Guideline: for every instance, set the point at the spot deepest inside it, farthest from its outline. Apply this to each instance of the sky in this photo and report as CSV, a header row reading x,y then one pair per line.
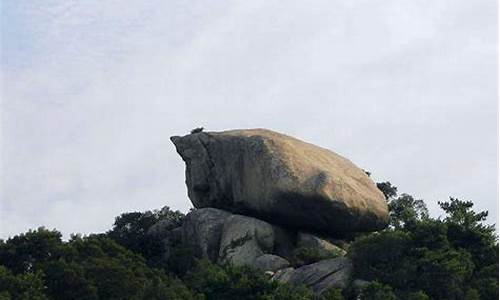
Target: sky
x,y
92,91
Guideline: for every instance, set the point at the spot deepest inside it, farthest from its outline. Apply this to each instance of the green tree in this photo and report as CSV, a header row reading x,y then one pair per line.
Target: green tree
x,y
485,280
377,291
68,281
385,257
93,267
443,274
421,257
118,273
460,212
27,252
467,231
406,211
388,189
332,294
131,231
472,294
419,295
232,282
27,286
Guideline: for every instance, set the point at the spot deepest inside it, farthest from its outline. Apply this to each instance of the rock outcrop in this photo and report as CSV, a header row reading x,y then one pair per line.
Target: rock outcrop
x,y
280,179
244,239
322,246
274,203
320,276
227,238
202,231
270,262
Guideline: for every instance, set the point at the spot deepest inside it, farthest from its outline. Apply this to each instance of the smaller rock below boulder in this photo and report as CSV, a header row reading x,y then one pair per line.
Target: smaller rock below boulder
x,y
359,284
320,276
161,229
322,246
284,242
244,239
283,275
202,230
270,262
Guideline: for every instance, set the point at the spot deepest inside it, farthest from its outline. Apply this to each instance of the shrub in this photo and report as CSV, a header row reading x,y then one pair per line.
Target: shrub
x,y
377,291
232,282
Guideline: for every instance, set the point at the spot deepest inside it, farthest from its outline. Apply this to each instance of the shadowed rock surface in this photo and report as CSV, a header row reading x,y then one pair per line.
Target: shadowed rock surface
x,y
244,239
270,262
227,238
202,230
324,247
280,179
320,276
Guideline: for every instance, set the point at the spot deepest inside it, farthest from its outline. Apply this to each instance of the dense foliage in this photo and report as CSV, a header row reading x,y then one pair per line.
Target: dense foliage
x,y
417,257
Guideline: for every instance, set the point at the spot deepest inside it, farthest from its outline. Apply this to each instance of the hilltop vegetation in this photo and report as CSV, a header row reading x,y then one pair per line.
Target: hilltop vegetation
x,y
416,257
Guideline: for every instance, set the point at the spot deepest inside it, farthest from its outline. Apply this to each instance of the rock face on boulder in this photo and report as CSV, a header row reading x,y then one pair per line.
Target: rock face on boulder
x,y
280,179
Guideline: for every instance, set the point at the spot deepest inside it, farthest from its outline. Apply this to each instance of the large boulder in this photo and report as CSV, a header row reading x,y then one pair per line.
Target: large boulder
x,y
320,276
280,179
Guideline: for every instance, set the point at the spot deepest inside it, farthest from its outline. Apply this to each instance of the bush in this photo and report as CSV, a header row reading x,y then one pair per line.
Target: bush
x,y
377,291
451,258
93,267
332,294
420,258
131,231
420,295
231,282
384,257
27,286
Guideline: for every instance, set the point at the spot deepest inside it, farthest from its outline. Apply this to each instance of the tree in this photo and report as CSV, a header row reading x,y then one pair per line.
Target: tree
x,y
332,294
377,291
385,257
27,252
419,295
26,286
119,273
460,212
216,282
68,281
420,257
92,267
417,258
388,189
131,231
466,231
405,211
443,274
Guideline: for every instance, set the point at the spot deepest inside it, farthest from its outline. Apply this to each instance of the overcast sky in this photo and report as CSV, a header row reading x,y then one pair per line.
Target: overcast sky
x,y
92,91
